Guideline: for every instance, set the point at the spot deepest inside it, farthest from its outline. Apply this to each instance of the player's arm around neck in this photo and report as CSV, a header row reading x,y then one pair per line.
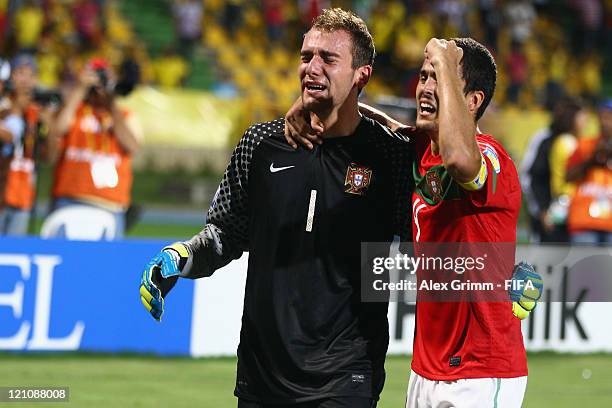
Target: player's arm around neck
x,y
382,118
457,128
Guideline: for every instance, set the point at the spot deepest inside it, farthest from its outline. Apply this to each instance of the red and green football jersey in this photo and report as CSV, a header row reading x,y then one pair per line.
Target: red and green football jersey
x,y
458,340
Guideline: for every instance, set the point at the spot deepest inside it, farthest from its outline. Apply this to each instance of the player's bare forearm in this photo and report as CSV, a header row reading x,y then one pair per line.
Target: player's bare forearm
x,y
457,134
381,117
457,127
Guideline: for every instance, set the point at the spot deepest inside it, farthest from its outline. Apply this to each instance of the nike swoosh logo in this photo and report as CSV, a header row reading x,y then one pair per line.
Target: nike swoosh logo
x,y
277,169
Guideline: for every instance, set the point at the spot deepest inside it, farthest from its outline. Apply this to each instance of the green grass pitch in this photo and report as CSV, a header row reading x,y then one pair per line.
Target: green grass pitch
x,y
555,380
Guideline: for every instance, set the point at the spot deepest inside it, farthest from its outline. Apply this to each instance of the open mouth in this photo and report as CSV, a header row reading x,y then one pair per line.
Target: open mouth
x,y
426,108
314,87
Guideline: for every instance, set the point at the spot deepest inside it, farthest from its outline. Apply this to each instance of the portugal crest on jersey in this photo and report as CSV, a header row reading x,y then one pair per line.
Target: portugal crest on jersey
x,y
357,179
434,185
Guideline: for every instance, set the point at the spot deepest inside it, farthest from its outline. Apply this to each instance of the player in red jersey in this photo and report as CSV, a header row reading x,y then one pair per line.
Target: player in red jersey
x,y
465,353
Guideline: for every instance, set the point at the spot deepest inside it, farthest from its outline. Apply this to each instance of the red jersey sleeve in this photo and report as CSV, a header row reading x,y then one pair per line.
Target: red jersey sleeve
x,y
502,183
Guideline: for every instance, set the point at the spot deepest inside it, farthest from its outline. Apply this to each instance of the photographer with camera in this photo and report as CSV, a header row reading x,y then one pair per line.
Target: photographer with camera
x,y
93,141
590,167
24,129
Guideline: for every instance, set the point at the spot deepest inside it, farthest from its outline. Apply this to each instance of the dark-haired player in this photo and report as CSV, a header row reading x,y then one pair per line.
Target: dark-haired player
x,y
467,354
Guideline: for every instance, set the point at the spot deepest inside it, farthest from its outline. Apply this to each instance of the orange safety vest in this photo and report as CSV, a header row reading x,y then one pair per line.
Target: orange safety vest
x,y
21,178
591,205
92,165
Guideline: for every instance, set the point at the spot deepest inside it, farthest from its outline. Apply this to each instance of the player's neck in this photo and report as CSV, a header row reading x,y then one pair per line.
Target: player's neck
x,y
433,137
341,121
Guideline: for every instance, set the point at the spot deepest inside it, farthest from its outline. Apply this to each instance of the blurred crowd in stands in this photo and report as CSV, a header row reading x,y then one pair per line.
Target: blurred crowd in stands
x,y
61,35
544,48
548,52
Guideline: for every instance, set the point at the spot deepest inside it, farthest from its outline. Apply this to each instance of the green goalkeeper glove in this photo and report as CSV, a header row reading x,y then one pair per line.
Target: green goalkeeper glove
x,y
160,276
526,289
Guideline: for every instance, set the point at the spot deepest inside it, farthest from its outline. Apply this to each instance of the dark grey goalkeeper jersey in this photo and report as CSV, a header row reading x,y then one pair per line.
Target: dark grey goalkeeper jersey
x,y
303,215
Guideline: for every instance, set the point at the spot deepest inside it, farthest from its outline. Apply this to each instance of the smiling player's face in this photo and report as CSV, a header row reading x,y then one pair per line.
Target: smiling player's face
x,y
427,98
326,73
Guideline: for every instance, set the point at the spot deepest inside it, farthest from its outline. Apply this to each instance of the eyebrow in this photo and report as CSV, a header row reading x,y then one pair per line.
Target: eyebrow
x,y
323,53
430,72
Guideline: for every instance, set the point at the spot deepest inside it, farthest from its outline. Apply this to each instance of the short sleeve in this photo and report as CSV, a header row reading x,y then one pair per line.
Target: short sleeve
x,y
502,177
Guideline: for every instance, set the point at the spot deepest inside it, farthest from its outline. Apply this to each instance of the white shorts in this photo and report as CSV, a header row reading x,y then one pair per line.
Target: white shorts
x,y
468,393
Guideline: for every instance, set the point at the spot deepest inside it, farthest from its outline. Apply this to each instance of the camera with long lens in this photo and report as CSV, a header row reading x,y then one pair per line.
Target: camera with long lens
x,y
129,76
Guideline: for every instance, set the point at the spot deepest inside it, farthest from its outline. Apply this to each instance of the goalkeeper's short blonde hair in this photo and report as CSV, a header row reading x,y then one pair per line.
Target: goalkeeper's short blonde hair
x,y
335,19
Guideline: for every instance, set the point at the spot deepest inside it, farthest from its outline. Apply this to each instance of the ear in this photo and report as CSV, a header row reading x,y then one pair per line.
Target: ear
x,y
474,101
362,76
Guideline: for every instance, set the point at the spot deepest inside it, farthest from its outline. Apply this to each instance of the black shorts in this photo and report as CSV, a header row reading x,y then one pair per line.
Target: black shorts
x,y
335,402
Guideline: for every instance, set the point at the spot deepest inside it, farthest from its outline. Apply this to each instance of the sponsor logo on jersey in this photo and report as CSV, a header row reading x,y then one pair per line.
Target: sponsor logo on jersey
x,y
357,179
277,169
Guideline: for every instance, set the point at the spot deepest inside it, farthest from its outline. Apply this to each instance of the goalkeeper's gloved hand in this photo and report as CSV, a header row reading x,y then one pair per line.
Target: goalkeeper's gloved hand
x,y
160,276
525,297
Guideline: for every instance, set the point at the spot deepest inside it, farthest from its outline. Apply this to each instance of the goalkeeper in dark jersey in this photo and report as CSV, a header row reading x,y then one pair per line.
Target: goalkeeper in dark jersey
x,y
307,339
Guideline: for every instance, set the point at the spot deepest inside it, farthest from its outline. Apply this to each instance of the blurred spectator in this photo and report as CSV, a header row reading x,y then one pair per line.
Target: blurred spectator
x,y
590,167
232,15
591,19
86,15
517,71
543,175
607,36
29,21
385,18
491,19
49,63
6,137
170,69
224,87
520,16
94,141
129,72
363,8
188,22
309,9
275,19
3,22
26,121
557,70
453,17
591,75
